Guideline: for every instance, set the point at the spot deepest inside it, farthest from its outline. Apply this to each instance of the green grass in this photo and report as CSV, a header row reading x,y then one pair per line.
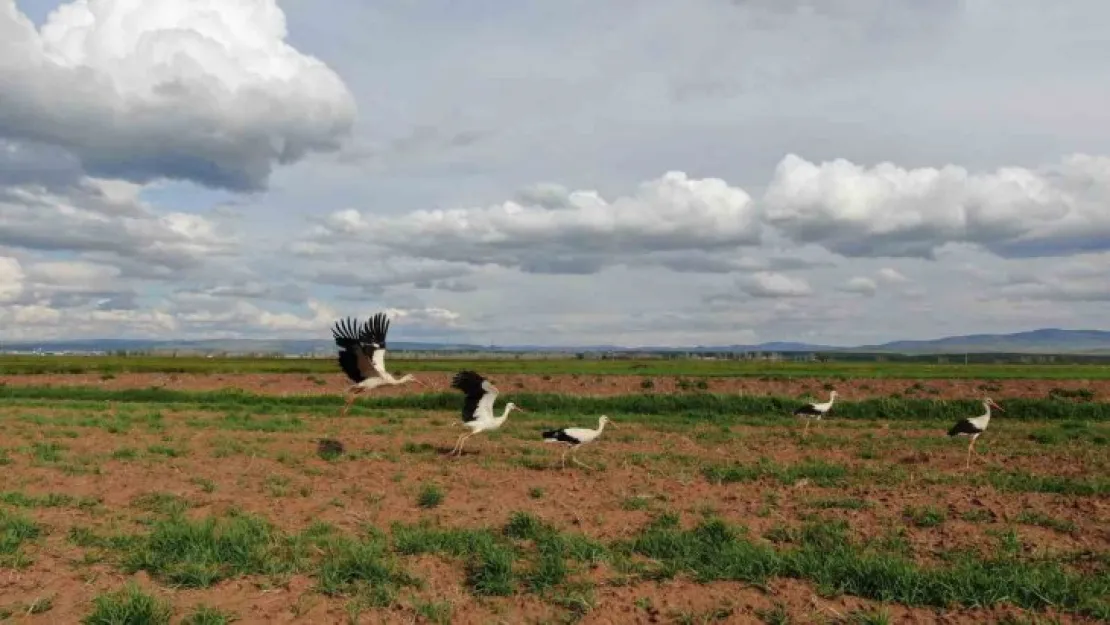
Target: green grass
x,y
207,615
430,496
724,408
824,555
15,531
995,367
129,606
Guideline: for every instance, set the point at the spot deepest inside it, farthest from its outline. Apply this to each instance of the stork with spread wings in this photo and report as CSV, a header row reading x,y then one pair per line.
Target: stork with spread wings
x,y
362,356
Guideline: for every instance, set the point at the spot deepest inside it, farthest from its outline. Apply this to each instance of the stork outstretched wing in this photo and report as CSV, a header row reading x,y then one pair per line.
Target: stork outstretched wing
x,y
373,340
354,357
480,395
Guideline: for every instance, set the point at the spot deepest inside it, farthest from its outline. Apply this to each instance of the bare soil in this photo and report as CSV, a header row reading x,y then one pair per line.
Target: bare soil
x,y
640,472
586,385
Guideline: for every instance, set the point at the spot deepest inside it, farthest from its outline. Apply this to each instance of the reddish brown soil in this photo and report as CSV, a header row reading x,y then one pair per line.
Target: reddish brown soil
x,y
642,472
593,385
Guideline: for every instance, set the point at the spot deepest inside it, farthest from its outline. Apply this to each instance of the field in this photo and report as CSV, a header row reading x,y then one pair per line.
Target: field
x,y
192,491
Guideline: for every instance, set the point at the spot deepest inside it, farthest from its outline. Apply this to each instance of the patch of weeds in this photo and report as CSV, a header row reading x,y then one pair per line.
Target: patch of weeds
x,y
167,451
125,453
276,485
417,448
129,605
47,452
204,484
361,568
207,615
842,503
1032,517
430,496
637,502
776,615
167,504
15,530
978,515
438,612
926,516
197,554
535,492
868,617
819,472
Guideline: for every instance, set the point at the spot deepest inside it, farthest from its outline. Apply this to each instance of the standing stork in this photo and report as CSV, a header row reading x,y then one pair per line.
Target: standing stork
x,y
362,356
477,412
815,411
972,427
575,438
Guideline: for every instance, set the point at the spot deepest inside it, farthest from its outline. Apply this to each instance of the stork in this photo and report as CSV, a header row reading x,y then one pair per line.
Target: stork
x,y
972,427
362,356
815,410
575,438
477,412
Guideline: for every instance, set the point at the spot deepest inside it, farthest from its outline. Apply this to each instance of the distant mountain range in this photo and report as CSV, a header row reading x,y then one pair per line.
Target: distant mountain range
x,y
1043,341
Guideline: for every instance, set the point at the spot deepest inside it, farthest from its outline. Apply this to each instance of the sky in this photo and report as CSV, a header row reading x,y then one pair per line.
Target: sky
x,y
554,172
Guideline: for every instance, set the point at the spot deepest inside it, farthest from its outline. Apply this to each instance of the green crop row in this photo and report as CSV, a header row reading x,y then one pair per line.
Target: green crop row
x,y
708,406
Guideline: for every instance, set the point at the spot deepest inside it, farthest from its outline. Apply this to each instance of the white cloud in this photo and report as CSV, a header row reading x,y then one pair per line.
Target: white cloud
x,y
892,275
204,90
774,285
11,279
861,285
109,218
887,210
580,236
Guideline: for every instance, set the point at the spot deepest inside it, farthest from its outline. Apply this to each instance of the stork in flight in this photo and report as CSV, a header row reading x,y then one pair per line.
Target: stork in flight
x,y
974,426
575,438
815,410
362,356
477,412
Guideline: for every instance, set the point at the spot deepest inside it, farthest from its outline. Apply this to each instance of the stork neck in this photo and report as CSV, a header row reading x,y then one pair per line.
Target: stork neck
x,y
600,426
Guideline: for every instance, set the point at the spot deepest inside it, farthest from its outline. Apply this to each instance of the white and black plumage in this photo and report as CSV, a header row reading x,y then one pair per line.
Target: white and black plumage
x,y
362,355
974,426
815,410
575,438
477,411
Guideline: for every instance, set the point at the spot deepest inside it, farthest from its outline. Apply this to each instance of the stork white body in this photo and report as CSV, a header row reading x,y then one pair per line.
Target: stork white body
x,y
974,426
477,412
362,356
575,438
815,410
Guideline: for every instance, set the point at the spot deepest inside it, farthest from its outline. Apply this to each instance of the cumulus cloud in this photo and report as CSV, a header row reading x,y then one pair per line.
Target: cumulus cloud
x,y
774,285
580,235
108,218
893,276
887,210
11,279
205,90
860,285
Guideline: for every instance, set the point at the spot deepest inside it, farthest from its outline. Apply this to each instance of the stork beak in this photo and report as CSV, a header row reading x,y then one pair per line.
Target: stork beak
x,y
997,406
420,383
520,409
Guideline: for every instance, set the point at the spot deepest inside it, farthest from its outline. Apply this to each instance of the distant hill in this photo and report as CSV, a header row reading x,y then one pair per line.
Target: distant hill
x,y
1043,341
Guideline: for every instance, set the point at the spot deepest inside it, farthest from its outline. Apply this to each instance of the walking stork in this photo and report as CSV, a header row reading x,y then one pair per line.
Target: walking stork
x,y
575,438
477,412
974,426
815,411
362,356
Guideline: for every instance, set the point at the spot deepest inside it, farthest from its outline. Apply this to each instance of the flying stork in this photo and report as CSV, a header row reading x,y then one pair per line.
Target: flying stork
x,y
815,410
362,356
974,426
477,412
575,438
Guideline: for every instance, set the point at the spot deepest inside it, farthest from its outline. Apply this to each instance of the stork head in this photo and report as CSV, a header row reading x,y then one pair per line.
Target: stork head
x,y
833,395
988,402
408,377
509,407
603,421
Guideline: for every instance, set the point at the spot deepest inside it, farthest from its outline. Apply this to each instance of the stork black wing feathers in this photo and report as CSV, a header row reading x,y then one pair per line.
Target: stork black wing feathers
x,y
561,436
375,330
470,383
964,426
807,409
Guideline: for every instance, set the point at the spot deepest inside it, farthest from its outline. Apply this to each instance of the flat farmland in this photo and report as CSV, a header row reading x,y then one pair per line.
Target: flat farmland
x,y
189,496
